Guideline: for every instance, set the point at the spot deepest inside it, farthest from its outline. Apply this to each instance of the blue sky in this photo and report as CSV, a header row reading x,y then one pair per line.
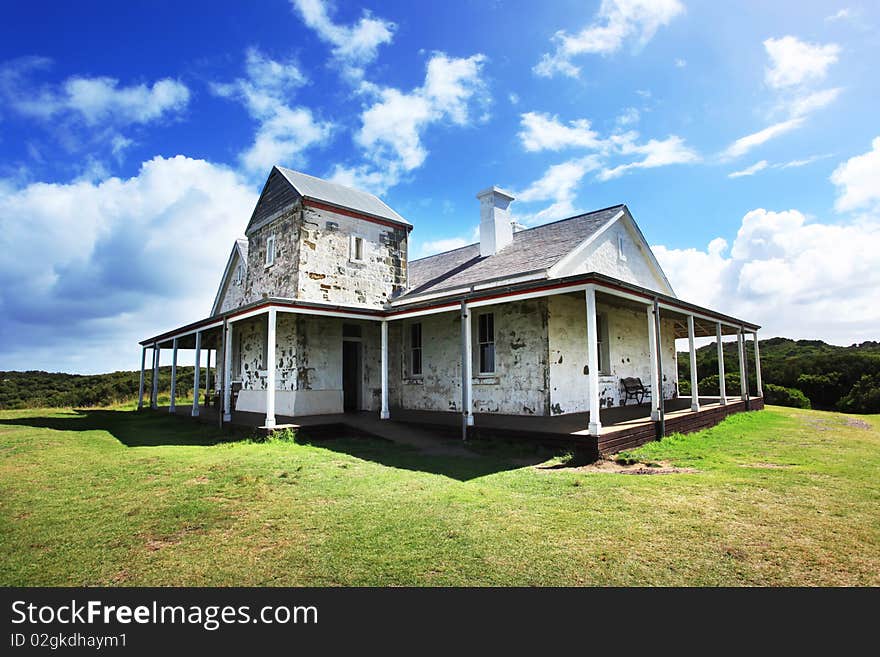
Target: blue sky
x,y
134,141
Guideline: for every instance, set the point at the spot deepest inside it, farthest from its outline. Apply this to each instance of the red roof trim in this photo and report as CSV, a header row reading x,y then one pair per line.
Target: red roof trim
x,y
312,203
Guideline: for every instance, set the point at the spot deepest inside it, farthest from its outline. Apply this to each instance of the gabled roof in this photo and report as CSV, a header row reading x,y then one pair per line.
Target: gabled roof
x,y
341,196
533,250
240,249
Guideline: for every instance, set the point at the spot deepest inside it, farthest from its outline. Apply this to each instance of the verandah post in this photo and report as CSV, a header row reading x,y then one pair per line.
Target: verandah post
x,y
595,425
656,390
197,374
154,396
695,394
722,384
173,407
141,384
270,369
384,414
227,374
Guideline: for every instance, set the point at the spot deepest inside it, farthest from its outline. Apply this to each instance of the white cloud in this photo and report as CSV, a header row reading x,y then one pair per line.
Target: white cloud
x,y
749,171
793,65
439,246
540,131
100,265
802,162
680,63
658,153
843,14
284,132
617,22
392,127
558,184
513,98
353,46
793,62
797,278
627,117
744,144
858,181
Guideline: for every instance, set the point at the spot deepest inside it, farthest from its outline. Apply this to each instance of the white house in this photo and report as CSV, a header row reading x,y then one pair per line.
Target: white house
x,y
320,311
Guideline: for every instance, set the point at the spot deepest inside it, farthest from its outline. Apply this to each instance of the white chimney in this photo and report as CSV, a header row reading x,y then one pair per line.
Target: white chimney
x,y
496,226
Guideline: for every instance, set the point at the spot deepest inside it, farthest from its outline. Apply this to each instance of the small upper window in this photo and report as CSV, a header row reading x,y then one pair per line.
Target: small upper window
x,y
357,248
621,251
239,275
486,340
270,250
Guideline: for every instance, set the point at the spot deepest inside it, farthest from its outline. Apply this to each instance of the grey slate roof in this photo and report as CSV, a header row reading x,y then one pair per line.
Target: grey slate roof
x,y
340,195
533,249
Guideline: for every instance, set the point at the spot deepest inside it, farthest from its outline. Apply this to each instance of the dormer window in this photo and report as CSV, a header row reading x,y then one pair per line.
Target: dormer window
x,y
270,250
357,249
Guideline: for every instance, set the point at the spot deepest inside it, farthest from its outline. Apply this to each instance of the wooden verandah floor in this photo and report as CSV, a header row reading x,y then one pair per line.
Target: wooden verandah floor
x,y
623,427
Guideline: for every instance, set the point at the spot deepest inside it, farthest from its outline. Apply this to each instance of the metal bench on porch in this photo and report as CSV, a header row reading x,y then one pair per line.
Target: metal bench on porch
x,y
633,388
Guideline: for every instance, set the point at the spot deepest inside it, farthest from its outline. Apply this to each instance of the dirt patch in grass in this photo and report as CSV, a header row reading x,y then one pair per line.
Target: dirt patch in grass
x,y
858,424
766,466
611,466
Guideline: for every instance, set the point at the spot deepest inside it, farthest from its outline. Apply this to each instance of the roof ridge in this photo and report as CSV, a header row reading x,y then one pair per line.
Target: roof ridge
x,y
330,182
549,223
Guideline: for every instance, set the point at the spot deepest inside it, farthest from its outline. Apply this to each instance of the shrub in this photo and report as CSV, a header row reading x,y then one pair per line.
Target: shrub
x,y
782,396
709,385
864,397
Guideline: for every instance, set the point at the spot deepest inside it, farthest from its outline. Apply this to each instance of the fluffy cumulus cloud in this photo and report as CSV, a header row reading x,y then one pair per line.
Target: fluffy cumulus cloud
x,y
354,46
795,277
393,125
284,131
544,132
90,268
92,100
618,22
793,67
858,181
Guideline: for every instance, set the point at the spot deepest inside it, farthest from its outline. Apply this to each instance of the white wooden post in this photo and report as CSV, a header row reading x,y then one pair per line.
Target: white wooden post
x,y
743,382
173,407
595,425
197,374
227,375
722,384
154,397
467,399
270,369
656,390
695,394
384,414
141,384
207,374
760,391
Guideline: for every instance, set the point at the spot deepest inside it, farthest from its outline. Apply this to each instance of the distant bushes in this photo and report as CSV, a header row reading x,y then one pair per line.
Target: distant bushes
x,y
782,396
54,389
864,397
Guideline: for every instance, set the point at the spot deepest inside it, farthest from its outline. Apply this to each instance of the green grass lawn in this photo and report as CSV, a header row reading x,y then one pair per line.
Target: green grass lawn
x,y
114,497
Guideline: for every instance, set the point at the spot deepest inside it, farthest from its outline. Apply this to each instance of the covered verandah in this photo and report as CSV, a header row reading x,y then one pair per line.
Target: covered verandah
x,y
690,322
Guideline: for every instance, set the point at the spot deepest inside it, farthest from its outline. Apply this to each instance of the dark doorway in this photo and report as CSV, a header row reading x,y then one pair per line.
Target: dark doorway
x,y
351,375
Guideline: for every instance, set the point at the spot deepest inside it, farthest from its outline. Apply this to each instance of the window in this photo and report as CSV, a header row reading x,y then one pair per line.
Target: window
x,y
604,353
486,341
415,349
357,249
270,250
239,275
621,243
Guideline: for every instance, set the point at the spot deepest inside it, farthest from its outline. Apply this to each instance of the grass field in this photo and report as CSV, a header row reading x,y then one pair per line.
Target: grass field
x,y
114,497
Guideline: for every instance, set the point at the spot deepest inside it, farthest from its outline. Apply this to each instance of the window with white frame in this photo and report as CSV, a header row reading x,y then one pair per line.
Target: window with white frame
x,y
415,349
239,275
357,249
603,346
621,247
486,343
270,250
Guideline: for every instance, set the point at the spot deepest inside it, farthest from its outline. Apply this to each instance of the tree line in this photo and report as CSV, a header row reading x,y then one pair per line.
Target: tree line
x,y
800,373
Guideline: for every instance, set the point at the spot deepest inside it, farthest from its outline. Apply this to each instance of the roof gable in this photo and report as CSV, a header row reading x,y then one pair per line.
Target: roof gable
x,y
238,254
285,186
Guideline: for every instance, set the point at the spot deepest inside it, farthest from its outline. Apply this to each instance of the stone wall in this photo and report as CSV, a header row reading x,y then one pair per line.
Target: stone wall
x,y
327,272
233,292
280,278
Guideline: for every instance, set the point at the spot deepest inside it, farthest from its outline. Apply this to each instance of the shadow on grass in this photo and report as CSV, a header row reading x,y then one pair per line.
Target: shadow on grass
x,y
150,429
134,429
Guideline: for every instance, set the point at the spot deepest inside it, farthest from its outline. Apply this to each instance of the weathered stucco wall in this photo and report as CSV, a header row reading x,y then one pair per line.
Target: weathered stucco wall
x,y
519,385
308,375
627,350
603,257
327,272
